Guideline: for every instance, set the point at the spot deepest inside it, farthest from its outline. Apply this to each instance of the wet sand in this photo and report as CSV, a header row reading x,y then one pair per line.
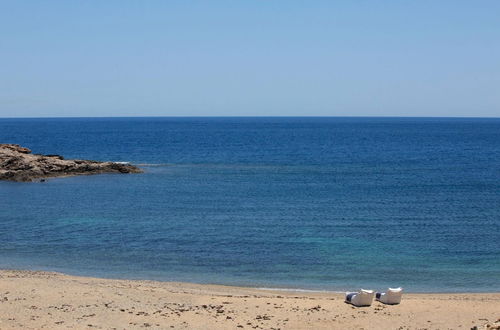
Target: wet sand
x,y
45,300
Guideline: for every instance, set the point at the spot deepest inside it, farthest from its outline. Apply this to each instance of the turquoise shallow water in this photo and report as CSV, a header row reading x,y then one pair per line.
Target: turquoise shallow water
x,y
311,203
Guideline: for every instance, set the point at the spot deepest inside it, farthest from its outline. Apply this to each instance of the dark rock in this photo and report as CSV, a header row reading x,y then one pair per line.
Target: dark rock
x,y
55,156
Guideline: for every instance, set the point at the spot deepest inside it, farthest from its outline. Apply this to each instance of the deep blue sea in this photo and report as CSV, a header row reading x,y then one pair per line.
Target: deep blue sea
x,y
309,203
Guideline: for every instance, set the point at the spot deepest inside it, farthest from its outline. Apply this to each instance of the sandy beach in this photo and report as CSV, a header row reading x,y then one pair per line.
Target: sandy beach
x,y
46,300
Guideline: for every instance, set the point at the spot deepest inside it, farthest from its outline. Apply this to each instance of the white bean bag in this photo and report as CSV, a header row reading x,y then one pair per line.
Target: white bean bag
x,y
361,298
390,297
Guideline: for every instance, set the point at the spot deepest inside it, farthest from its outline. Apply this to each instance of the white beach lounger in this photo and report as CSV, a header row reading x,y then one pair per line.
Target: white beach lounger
x,y
361,298
390,297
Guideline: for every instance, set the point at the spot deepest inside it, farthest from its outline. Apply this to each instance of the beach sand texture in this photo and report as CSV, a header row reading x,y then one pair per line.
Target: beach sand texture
x,y
46,300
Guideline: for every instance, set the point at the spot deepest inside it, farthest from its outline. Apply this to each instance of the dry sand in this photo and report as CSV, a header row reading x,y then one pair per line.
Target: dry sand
x,y
43,300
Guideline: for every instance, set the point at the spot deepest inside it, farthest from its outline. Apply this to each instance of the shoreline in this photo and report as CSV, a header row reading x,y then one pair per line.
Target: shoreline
x,y
40,299
290,289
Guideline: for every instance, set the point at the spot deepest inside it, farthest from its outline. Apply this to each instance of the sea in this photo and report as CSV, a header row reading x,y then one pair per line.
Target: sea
x,y
306,203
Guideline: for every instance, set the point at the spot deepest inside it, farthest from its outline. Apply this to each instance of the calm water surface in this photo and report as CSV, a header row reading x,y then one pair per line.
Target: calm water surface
x,y
312,203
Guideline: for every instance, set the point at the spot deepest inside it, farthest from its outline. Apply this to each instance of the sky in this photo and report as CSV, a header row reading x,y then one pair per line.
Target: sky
x,y
249,58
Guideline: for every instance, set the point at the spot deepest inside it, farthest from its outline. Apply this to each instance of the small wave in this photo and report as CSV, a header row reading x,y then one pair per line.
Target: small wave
x,y
152,164
298,290
141,164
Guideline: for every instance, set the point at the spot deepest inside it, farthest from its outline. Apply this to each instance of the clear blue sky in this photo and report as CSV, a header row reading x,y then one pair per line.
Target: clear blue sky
x,y
250,58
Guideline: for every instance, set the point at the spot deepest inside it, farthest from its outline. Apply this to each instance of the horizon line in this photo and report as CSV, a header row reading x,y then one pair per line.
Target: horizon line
x,y
241,116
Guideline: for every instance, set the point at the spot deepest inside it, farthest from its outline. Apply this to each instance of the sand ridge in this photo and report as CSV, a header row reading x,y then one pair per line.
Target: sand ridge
x,y
46,300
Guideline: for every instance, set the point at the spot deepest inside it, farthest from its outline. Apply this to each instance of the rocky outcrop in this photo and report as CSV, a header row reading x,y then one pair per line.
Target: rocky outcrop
x,y
19,164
